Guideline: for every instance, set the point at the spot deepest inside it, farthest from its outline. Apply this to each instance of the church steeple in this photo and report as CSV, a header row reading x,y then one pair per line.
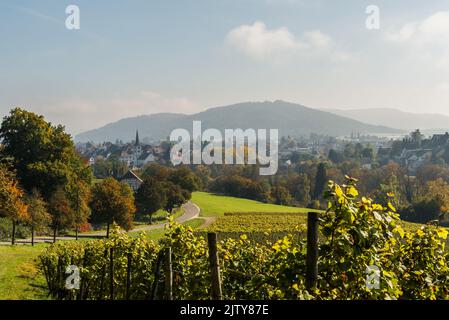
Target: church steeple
x,y
137,138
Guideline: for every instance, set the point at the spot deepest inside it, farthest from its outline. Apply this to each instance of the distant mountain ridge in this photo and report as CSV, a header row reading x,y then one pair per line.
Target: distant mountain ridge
x,y
291,119
429,122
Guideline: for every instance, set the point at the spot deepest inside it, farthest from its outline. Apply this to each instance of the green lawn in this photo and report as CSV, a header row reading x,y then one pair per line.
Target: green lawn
x,y
19,276
214,205
156,234
159,217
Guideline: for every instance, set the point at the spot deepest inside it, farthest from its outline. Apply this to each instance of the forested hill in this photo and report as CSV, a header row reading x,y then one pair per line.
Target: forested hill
x,y
291,119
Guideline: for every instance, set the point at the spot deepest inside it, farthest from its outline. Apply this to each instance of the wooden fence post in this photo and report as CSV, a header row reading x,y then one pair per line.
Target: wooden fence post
x,y
128,276
312,250
168,275
214,266
111,271
157,271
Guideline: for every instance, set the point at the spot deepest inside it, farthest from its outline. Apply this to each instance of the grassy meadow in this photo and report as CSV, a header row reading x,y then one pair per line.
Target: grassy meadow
x,y
215,205
19,275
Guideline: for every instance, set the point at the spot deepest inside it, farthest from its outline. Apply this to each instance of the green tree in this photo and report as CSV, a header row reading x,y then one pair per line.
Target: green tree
x,y
175,196
113,202
335,156
150,197
281,195
43,155
320,181
185,178
39,218
299,187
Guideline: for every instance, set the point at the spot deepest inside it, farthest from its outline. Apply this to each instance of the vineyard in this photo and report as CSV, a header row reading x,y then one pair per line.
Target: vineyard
x,y
355,233
258,226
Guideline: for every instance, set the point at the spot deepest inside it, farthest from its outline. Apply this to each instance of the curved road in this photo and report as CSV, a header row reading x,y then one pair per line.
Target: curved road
x,y
191,211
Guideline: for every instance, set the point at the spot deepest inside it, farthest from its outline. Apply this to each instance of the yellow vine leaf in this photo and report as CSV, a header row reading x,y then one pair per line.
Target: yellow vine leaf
x,y
352,192
442,233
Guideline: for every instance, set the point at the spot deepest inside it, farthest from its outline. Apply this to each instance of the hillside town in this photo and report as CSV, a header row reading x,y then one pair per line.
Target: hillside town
x,y
412,151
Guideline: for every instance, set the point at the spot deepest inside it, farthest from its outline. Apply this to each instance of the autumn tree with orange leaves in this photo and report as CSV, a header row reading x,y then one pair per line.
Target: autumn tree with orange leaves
x,y
12,205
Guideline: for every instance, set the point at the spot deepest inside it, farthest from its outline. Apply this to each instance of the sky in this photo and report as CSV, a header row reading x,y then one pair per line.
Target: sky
x,y
142,56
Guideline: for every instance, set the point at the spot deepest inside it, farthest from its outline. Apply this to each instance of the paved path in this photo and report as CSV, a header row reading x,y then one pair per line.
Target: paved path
x,y
191,211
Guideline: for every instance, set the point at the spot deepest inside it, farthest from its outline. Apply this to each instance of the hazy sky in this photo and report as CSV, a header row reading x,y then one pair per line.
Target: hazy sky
x,y
140,57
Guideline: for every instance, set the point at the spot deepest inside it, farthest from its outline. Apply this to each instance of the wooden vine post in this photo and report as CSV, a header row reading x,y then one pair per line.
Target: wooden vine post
x,y
214,266
312,250
157,273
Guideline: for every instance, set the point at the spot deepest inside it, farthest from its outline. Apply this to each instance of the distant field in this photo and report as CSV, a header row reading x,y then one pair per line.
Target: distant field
x,y
19,276
215,206
269,226
265,222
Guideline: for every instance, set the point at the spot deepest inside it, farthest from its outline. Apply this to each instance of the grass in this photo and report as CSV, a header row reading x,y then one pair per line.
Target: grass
x,y
159,217
19,276
156,234
215,205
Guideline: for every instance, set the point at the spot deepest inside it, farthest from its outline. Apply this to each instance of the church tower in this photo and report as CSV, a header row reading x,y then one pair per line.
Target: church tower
x,y
137,149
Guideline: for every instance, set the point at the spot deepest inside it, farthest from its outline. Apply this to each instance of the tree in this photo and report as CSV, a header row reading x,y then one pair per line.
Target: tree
x,y
185,178
439,189
299,186
42,155
113,202
79,195
61,211
368,153
430,204
39,218
112,167
281,195
11,200
175,196
156,171
320,181
150,197
335,156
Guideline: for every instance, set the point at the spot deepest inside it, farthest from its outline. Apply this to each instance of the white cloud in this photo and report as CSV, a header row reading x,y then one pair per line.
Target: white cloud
x,y
433,30
257,42
429,38
426,41
317,39
83,114
260,43
405,34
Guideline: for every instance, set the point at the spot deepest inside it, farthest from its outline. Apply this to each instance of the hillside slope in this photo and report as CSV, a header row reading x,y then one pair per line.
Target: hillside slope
x,y
291,119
